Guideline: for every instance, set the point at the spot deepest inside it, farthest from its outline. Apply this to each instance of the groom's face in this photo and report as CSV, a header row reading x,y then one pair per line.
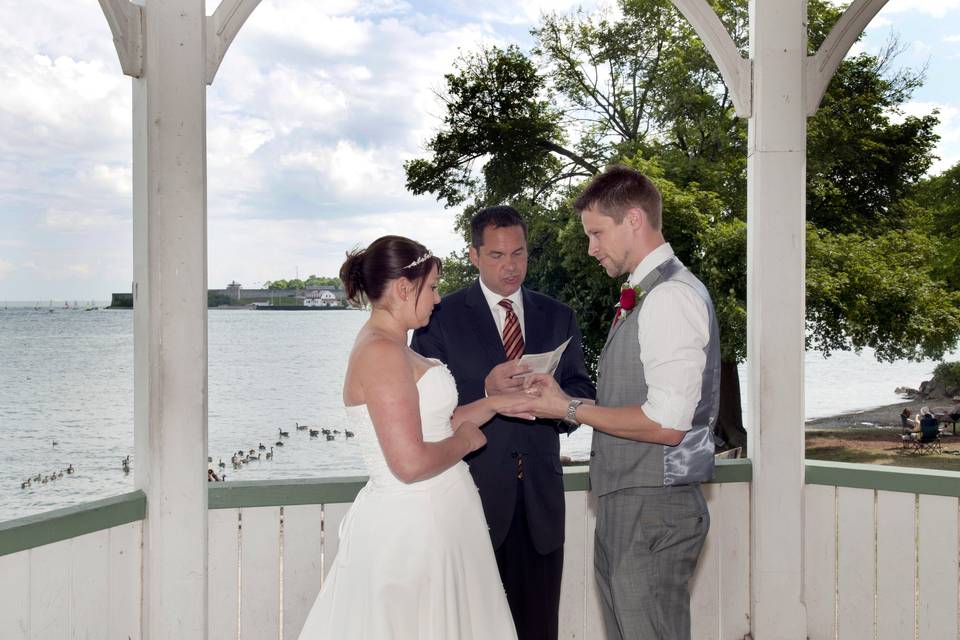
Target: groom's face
x,y
501,259
608,241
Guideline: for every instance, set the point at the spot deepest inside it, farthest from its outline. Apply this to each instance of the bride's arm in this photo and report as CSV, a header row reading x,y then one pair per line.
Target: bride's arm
x,y
482,410
391,396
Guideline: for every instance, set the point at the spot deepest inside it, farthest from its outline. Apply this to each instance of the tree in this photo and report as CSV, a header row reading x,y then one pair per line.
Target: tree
x,y
642,90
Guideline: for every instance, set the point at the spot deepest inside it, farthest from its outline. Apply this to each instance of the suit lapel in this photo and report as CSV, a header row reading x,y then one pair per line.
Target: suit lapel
x,y
483,325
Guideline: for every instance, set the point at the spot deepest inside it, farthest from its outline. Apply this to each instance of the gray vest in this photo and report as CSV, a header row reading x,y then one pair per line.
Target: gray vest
x,y
619,463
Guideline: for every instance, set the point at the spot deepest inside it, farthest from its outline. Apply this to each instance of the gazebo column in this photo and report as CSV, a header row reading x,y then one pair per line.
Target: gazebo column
x,y
170,316
776,193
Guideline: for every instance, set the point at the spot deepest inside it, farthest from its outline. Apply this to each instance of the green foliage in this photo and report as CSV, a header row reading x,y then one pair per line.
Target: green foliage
x,y
878,292
295,283
215,299
940,196
642,90
948,373
497,108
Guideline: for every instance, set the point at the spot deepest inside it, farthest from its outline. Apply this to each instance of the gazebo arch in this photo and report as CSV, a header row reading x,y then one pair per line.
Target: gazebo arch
x,y
173,50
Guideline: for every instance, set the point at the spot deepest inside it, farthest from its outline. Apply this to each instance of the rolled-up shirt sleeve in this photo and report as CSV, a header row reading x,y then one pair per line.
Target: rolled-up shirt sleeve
x,y
674,329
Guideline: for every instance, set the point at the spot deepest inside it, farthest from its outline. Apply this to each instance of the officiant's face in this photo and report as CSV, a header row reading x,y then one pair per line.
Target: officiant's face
x,y
501,259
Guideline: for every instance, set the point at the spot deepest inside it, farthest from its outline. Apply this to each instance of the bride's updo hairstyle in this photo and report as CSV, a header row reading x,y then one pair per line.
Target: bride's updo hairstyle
x,y
366,272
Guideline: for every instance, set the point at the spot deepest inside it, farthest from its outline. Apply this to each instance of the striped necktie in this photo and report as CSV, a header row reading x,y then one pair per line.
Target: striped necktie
x,y
512,336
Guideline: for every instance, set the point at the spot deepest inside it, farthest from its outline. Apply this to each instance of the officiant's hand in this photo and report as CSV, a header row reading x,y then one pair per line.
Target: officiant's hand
x,y
506,377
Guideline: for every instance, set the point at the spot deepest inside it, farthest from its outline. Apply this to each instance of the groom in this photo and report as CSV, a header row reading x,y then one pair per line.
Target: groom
x,y
657,399
480,332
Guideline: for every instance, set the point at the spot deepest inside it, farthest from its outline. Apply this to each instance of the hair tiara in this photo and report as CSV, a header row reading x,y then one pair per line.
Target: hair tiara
x,y
419,260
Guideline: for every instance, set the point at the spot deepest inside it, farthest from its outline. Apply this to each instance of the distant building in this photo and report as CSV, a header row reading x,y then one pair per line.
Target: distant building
x,y
311,296
323,296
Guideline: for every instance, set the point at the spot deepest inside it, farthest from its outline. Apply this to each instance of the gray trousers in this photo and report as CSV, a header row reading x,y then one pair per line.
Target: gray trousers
x,y
647,545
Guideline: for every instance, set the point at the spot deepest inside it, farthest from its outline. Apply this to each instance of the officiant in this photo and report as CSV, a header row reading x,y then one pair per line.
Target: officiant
x,y
480,333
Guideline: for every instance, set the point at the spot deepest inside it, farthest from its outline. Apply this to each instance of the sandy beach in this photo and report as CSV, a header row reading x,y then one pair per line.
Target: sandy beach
x,y
884,416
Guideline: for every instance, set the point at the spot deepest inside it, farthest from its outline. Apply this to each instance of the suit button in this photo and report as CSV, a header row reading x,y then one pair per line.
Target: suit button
x,y
593,453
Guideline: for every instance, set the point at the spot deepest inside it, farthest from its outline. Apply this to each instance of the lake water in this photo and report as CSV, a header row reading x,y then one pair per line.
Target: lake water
x,y
67,376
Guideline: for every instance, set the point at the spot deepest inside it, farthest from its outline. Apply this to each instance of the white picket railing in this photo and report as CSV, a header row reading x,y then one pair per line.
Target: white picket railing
x,y
881,561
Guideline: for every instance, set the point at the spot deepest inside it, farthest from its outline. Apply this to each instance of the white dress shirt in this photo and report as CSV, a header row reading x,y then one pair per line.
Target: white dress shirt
x,y
499,313
674,329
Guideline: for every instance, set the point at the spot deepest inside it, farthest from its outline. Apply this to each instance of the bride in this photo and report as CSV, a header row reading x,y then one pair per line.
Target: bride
x,y
415,560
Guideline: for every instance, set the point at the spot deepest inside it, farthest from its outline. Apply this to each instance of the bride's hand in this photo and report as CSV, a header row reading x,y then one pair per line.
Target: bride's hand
x,y
516,404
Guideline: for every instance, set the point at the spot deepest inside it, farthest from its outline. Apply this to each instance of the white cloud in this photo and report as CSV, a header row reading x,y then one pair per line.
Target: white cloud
x,y
935,8
952,39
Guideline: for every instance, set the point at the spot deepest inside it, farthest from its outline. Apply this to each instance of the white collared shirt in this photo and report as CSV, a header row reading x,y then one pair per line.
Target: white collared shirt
x,y
499,313
674,329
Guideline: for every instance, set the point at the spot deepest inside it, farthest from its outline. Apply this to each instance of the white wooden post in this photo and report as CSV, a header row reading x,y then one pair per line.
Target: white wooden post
x,y
170,316
776,170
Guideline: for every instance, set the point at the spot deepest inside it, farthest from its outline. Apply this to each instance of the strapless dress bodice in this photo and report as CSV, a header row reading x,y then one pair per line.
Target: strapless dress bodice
x,y
438,399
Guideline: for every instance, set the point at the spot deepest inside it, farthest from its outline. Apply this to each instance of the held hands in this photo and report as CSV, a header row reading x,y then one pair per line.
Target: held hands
x,y
506,377
514,404
545,398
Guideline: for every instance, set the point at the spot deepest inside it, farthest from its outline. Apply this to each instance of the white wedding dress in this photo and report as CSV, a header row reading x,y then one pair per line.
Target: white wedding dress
x,y
415,560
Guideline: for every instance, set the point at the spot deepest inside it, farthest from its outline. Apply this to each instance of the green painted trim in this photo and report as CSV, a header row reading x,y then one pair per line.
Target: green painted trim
x,y
576,477
279,493
71,522
735,470
871,476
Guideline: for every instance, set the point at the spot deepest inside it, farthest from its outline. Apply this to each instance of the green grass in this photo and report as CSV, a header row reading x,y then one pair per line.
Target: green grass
x,y
878,446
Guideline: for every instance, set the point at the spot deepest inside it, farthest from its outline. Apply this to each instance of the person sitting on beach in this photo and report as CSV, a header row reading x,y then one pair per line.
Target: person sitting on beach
x,y
908,423
924,419
212,476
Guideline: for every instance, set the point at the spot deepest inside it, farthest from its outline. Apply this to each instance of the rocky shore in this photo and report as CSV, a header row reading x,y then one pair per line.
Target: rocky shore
x,y
885,416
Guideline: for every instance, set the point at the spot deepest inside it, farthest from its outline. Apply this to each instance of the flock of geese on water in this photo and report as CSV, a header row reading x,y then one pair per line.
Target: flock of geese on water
x,y
237,460
241,457
44,479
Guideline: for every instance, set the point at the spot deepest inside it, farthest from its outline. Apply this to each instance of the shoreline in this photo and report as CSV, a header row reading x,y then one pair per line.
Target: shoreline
x,y
883,416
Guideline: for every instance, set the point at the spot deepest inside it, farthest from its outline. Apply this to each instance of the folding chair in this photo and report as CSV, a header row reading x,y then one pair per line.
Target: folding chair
x,y
928,440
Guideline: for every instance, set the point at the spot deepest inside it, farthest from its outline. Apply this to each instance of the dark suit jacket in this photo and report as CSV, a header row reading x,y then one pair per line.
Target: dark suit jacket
x,y
463,334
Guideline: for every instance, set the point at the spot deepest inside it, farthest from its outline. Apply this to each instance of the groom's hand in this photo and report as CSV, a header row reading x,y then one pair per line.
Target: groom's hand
x,y
506,377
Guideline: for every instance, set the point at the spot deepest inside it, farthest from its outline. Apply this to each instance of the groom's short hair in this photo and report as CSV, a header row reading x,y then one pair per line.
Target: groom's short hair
x,y
496,217
618,189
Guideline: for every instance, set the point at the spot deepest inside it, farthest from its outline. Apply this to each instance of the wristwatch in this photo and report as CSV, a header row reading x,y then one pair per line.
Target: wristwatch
x,y
571,417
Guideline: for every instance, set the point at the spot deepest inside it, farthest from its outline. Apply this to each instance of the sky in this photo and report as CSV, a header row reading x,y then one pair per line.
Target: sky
x,y
309,120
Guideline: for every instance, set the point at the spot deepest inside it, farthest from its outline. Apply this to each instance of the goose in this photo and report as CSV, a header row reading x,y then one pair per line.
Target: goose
x,y
284,434
55,443
335,431
251,452
24,484
330,437
261,447
222,464
348,433
325,432
209,459
70,468
314,433
45,480
279,443
269,454
223,477
60,474
300,427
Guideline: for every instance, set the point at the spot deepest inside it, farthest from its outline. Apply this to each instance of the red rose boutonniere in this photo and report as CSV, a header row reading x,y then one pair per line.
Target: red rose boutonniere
x,y
629,296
